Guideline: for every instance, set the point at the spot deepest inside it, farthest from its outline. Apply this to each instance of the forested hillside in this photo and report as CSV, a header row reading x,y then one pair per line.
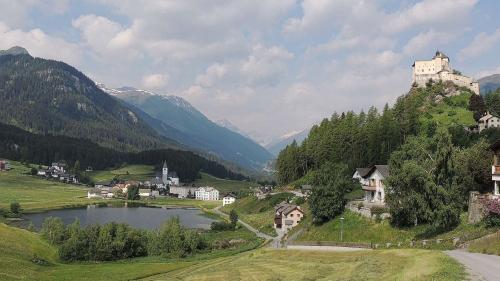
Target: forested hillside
x,y
363,139
17,144
45,96
174,118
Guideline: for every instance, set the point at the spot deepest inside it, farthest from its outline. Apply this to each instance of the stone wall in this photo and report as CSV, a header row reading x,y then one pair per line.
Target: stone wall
x,y
477,210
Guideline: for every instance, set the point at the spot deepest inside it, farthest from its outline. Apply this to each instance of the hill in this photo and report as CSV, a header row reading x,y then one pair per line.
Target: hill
x,y
51,97
17,144
175,118
276,146
489,83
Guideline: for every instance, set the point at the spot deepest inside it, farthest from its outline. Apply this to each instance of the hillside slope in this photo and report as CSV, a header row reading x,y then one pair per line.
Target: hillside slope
x,y
276,146
45,96
180,121
489,83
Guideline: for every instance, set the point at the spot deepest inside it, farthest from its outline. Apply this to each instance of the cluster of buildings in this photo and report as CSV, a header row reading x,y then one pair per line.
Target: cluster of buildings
x,y
4,165
59,172
166,185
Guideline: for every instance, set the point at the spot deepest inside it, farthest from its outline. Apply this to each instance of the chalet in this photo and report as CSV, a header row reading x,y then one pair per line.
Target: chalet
x,y
228,199
372,182
488,121
495,169
287,216
206,193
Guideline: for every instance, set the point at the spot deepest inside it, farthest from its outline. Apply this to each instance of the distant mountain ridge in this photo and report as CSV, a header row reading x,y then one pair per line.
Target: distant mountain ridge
x,y
276,146
489,83
175,118
51,97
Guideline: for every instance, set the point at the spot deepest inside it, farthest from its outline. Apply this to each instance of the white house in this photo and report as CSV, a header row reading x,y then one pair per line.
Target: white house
x,y
182,191
372,182
206,193
495,169
359,175
488,121
228,199
94,193
145,192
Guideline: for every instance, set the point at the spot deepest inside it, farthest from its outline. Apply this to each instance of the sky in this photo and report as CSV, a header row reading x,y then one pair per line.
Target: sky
x,y
268,67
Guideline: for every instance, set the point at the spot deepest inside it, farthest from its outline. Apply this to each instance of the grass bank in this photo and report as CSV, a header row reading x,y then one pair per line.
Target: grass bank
x,y
223,185
128,172
25,256
489,245
267,264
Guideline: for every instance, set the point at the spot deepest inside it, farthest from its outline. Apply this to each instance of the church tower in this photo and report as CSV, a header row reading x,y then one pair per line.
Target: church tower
x,y
164,176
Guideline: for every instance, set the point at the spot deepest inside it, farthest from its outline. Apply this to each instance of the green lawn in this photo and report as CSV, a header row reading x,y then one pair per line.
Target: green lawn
x,y
359,229
267,264
37,194
19,247
258,213
489,245
129,172
223,185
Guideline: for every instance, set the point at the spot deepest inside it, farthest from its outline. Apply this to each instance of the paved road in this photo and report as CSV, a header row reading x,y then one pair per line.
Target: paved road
x,y
481,266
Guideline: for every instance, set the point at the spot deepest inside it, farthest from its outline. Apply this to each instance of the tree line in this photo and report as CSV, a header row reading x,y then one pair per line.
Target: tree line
x,y
17,144
433,165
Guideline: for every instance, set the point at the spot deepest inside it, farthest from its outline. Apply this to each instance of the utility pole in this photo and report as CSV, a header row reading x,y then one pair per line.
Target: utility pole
x,y
341,228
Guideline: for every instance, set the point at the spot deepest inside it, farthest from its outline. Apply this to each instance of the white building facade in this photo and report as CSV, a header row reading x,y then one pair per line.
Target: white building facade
x,y
228,199
207,194
438,68
488,121
373,182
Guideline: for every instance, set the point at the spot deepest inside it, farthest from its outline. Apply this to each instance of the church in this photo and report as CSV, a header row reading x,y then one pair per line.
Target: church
x,y
169,178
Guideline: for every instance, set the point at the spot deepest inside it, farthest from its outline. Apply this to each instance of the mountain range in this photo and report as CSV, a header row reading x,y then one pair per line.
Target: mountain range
x,y
276,146
50,97
489,83
176,119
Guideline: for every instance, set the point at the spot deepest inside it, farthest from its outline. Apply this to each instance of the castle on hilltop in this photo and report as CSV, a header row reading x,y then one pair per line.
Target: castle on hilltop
x,y
438,68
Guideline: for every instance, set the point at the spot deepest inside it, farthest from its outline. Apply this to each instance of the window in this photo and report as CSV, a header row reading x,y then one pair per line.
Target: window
x,y
298,215
291,215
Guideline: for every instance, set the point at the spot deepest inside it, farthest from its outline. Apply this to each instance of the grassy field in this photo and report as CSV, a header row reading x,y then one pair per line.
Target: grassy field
x,y
129,172
36,194
267,264
20,247
257,213
362,230
223,185
489,245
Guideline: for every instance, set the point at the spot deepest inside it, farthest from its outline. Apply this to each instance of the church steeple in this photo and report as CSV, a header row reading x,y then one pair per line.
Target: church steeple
x,y
165,173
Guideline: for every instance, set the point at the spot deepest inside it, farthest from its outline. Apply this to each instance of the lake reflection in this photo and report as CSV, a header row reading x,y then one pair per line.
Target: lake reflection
x,y
137,217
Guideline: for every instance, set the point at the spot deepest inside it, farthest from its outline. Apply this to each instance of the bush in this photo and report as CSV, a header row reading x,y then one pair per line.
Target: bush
x,y
233,217
492,220
53,230
15,208
34,171
222,226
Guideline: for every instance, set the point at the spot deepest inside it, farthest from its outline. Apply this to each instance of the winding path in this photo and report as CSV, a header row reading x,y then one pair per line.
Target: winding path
x,y
481,267
249,227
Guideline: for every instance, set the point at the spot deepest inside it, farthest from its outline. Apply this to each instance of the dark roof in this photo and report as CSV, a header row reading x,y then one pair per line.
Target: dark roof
x,y
165,164
440,54
383,169
363,171
306,187
495,145
285,208
156,180
172,174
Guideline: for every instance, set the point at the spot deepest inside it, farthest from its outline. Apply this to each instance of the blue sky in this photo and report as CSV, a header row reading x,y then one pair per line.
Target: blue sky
x,y
269,67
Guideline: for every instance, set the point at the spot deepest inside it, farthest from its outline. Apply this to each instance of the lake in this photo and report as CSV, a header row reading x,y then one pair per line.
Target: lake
x,y
137,217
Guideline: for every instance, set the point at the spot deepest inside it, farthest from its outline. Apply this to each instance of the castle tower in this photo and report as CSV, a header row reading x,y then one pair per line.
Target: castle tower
x,y
164,174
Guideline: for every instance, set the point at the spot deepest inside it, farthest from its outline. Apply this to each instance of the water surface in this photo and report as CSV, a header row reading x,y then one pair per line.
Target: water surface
x,y
137,217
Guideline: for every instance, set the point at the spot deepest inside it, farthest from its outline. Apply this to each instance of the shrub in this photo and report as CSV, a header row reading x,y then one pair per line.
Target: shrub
x,y
222,225
34,171
15,208
492,220
360,205
53,230
233,217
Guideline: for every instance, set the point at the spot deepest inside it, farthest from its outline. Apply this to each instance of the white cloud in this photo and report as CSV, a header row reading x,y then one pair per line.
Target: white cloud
x,y
481,43
40,44
425,41
155,81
